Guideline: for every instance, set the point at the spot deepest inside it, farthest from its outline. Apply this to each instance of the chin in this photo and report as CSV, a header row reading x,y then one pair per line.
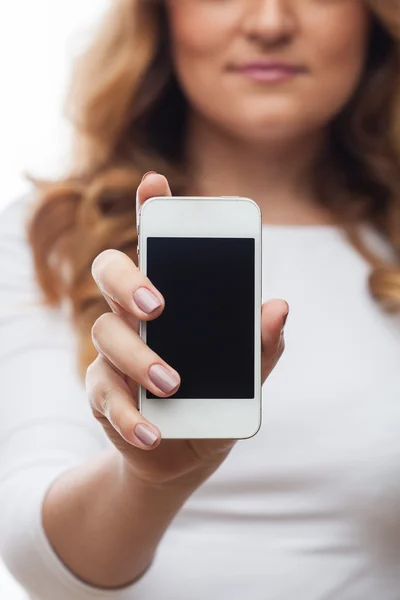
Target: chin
x,y
266,120
269,130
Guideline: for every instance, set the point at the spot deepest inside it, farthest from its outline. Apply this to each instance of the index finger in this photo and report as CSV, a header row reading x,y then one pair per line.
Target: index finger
x,y
127,290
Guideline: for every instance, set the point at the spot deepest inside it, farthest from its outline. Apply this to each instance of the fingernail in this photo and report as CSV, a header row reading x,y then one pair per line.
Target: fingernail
x,y
284,322
148,173
145,435
146,300
165,380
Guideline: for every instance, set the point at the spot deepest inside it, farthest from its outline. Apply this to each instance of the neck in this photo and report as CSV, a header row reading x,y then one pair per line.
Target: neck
x,y
277,176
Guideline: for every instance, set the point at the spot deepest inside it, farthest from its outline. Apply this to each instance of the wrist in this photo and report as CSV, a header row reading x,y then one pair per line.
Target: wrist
x,y
133,479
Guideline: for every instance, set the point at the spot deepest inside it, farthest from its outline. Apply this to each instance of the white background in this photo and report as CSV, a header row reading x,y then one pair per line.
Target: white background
x,y
38,39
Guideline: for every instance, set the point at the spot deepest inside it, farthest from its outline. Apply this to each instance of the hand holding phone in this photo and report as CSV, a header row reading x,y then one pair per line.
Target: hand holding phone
x,y
125,360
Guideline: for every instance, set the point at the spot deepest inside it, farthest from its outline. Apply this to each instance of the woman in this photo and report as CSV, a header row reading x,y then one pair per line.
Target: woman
x,y
294,103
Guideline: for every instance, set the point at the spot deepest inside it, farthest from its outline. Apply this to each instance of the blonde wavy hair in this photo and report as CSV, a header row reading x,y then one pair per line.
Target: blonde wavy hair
x,y
128,114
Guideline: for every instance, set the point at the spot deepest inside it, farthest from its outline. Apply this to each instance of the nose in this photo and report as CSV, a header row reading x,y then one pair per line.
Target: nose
x,y
269,22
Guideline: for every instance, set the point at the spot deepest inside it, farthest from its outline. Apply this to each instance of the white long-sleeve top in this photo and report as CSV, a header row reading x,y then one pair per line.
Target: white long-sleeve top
x,y
308,509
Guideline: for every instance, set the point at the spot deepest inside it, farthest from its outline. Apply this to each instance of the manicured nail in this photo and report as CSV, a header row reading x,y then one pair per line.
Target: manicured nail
x,y
146,300
145,435
284,322
148,173
165,380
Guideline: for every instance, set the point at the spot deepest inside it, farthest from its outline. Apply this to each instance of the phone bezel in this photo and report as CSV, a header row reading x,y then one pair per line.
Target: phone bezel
x,y
186,418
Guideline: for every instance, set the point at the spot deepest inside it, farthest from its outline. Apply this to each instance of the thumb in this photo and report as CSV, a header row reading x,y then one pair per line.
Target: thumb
x,y
273,317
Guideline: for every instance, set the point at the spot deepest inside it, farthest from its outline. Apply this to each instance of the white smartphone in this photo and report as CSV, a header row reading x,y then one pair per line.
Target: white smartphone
x,y
204,255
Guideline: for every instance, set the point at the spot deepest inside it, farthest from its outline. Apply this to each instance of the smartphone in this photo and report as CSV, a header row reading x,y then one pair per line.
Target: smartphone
x,y
204,255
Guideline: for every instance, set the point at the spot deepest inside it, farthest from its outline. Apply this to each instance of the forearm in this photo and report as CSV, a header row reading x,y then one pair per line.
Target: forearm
x,y
104,524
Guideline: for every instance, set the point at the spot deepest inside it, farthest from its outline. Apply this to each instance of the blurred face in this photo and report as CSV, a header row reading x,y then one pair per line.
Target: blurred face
x,y
268,69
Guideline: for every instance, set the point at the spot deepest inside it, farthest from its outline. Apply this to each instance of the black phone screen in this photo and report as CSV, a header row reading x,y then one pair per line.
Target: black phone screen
x,y
206,331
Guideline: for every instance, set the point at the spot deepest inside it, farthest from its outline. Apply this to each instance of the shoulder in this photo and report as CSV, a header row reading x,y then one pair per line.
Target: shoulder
x,y
17,278
378,244
13,224
13,217
24,315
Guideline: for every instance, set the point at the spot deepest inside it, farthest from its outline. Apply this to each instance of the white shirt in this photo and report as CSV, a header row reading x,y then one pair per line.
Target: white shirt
x,y
309,509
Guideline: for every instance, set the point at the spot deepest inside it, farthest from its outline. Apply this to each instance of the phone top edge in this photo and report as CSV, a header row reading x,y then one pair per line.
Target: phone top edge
x,y
202,198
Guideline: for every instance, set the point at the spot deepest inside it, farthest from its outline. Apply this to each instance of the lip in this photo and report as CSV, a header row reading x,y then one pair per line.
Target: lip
x,y
268,71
